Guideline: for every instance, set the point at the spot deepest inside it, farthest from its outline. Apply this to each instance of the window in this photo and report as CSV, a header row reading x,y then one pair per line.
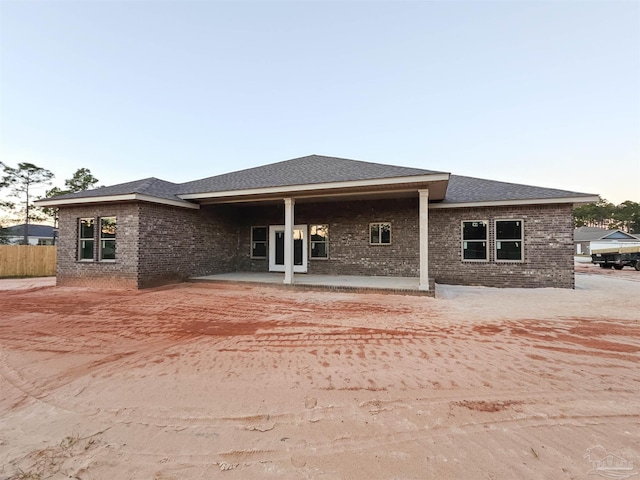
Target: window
x,y
108,238
380,233
319,235
258,242
86,230
509,240
475,240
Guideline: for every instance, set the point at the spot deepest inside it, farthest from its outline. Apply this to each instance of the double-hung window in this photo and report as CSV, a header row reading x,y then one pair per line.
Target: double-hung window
x,y
258,242
86,233
319,236
475,240
108,238
380,233
509,240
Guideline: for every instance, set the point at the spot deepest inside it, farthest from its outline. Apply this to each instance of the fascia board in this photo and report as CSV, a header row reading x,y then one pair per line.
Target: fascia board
x,y
285,190
532,201
115,198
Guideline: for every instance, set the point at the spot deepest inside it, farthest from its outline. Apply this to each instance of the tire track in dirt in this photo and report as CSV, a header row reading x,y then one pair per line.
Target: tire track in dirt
x,y
247,379
473,401
45,389
334,343
342,442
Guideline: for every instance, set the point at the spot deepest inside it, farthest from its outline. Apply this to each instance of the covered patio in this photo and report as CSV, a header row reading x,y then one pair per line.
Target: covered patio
x,y
354,283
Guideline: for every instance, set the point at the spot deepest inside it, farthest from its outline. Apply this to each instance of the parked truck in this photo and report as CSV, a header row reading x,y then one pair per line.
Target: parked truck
x,y
617,257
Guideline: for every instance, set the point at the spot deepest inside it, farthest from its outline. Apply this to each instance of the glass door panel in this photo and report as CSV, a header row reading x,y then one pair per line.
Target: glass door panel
x,y
276,248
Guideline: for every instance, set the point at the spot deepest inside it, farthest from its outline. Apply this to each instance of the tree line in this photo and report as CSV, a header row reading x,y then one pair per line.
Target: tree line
x,y
19,183
604,214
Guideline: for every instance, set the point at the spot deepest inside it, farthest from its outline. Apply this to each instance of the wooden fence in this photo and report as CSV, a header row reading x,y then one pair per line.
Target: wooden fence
x,y
27,261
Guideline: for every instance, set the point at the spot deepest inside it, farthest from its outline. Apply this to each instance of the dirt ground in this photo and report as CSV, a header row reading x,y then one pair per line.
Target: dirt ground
x,y
198,381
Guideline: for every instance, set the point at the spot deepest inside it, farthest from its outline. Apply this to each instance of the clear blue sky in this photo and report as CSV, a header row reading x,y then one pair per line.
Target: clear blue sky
x,y
542,93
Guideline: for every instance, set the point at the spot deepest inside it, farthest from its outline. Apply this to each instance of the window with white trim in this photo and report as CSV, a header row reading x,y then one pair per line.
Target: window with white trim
x,y
319,238
108,238
380,233
86,235
509,240
258,242
475,240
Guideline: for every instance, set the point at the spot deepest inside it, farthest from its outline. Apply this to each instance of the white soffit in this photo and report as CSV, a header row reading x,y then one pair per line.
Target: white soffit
x,y
531,201
52,202
287,190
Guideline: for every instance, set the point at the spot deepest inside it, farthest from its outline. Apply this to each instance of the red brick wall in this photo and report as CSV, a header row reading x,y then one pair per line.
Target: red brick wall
x,y
548,244
349,249
255,216
177,243
548,248
121,273
157,244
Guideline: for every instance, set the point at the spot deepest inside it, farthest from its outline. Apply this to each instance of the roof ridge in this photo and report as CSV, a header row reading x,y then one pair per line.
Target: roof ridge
x,y
302,170
367,162
144,185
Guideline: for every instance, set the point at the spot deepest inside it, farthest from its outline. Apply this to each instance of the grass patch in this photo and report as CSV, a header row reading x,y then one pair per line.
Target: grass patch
x,y
44,463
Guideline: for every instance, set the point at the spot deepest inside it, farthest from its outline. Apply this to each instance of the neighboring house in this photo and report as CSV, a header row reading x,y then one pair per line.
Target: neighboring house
x,y
36,234
586,238
321,215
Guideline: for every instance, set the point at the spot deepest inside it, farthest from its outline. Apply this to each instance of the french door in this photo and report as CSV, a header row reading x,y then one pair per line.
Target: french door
x,y
276,248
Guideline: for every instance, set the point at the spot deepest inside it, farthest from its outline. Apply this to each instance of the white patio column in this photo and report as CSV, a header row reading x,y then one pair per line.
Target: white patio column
x,y
424,239
288,239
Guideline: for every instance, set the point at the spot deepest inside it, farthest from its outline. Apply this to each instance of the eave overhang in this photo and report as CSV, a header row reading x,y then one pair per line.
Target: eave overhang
x,y
371,187
529,201
130,197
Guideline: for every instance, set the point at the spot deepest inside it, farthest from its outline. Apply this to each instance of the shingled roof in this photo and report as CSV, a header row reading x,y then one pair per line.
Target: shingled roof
x,y
33,230
151,186
477,190
310,170
319,170
586,234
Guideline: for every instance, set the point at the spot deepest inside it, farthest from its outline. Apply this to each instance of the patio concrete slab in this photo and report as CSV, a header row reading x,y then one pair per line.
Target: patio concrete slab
x,y
400,285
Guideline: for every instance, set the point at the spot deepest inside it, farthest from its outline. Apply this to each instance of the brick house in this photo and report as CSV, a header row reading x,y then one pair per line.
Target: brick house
x,y
36,234
586,238
319,215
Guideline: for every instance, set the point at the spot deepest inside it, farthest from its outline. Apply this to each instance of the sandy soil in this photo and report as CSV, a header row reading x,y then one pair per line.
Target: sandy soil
x,y
219,381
